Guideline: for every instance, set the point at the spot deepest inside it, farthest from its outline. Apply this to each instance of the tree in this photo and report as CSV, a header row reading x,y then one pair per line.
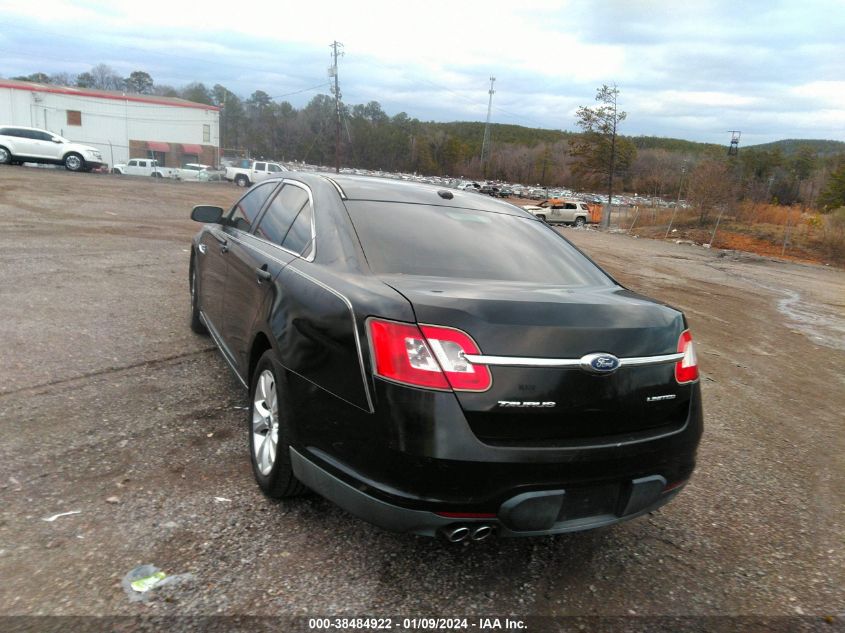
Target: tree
x,y
709,186
833,195
139,82
197,92
103,77
63,79
37,78
597,149
85,80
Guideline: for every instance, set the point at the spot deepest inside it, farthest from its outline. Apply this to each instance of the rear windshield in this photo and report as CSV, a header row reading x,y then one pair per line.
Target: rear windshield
x,y
414,239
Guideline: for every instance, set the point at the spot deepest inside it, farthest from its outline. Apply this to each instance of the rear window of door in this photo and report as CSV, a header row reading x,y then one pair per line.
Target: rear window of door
x,y
415,239
260,166
287,221
246,209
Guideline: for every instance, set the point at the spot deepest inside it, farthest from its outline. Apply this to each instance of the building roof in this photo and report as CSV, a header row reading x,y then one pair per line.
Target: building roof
x,y
103,94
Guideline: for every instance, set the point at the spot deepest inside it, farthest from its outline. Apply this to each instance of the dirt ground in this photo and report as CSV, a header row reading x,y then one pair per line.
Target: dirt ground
x,y
111,407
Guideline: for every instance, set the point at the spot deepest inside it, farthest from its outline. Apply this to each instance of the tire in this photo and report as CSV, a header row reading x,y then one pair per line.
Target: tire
x,y
155,174
74,162
541,217
241,180
580,222
117,172
268,426
197,326
6,156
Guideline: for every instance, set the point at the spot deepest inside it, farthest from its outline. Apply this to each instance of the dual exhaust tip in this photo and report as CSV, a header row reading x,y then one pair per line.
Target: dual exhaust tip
x,y
473,532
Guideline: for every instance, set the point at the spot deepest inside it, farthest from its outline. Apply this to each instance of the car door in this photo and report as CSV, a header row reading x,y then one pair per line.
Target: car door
x,y
259,172
257,259
227,239
44,147
24,142
213,258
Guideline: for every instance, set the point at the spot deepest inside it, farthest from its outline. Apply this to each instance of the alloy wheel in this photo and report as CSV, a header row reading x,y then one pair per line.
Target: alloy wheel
x,y
265,422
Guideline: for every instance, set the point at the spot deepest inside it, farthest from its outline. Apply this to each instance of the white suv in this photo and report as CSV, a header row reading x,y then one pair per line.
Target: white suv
x,y
30,145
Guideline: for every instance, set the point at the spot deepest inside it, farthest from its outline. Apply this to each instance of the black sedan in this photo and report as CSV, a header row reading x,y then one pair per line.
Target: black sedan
x,y
437,362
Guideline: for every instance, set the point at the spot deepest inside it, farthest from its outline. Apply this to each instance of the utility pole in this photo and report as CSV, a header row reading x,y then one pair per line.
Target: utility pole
x,y
485,145
335,46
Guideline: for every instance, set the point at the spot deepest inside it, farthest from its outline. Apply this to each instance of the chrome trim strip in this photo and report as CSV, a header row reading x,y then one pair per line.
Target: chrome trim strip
x,y
566,363
650,360
348,303
338,187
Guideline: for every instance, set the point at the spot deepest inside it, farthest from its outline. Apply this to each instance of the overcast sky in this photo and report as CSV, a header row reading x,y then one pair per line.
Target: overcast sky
x,y
685,69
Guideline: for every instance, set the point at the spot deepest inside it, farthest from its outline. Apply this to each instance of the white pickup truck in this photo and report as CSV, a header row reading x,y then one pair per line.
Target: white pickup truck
x,y
142,167
246,173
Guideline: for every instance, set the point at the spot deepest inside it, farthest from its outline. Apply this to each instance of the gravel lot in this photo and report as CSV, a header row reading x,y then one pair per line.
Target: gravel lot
x,y
110,406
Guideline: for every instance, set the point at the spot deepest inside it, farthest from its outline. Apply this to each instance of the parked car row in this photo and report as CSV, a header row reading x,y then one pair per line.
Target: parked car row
x,y
150,167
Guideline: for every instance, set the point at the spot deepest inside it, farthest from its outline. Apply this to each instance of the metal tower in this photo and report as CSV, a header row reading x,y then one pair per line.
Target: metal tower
x,y
485,146
733,150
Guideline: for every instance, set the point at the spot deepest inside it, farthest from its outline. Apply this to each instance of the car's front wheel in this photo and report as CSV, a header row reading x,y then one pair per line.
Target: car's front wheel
x,y
269,432
580,221
541,217
241,180
74,162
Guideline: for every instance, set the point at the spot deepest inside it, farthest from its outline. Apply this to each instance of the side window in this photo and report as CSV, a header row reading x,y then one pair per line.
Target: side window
x,y
281,213
132,163
260,166
142,163
42,136
298,239
274,168
245,209
570,205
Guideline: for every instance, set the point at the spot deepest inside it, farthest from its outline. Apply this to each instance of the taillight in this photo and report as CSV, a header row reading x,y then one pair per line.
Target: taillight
x,y
428,356
686,369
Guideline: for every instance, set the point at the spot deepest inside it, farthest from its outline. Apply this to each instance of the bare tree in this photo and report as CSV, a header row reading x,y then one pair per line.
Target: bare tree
x,y
597,149
710,185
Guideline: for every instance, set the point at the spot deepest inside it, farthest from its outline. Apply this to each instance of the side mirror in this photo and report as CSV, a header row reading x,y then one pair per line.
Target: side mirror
x,y
206,213
56,139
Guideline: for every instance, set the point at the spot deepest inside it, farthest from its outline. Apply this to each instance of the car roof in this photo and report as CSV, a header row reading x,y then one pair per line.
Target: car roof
x,y
24,127
371,188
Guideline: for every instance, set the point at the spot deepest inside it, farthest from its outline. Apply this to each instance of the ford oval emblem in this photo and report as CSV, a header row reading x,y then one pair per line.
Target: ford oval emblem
x,y
600,363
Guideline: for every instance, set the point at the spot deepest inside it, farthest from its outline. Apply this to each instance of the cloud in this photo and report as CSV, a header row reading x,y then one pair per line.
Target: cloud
x,y
685,69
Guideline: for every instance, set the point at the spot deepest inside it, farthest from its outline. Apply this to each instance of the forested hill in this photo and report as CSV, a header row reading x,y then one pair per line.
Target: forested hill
x,y
791,146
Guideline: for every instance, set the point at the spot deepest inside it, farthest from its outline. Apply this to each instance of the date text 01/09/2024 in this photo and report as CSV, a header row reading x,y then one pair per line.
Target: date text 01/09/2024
x,y
416,624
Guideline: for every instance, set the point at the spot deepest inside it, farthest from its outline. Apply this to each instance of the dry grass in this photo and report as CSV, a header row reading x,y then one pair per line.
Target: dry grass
x,y
754,227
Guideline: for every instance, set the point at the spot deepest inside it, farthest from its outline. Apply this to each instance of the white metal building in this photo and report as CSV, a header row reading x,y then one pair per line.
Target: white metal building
x,y
120,125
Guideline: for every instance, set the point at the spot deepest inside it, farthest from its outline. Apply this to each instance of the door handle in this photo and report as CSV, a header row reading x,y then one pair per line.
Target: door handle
x,y
262,274
202,249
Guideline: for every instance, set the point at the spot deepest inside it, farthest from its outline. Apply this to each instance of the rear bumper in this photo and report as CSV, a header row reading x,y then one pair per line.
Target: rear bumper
x,y
537,513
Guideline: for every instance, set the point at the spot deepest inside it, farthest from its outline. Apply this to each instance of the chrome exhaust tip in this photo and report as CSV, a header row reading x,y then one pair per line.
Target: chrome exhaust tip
x,y
456,534
482,532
